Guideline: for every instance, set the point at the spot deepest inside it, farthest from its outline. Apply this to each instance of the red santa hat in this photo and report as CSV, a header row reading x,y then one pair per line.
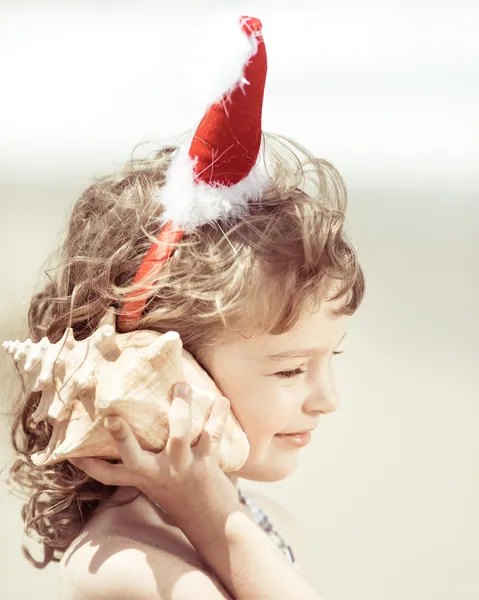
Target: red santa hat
x,y
216,174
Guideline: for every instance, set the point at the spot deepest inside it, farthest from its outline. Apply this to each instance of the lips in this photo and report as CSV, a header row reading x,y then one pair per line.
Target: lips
x,y
299,439
297,432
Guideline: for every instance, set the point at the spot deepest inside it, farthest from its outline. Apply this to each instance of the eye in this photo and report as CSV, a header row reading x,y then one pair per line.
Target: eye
x,y
296,372
289,374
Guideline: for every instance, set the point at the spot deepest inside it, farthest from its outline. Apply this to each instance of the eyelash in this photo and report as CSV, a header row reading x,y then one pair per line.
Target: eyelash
x,y
289,374
295,372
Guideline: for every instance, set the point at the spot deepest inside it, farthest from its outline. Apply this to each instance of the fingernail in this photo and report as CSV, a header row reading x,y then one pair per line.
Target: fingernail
x,y
182,389
112,423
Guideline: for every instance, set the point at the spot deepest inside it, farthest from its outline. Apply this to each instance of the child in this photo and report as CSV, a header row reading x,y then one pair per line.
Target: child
x,y
235,241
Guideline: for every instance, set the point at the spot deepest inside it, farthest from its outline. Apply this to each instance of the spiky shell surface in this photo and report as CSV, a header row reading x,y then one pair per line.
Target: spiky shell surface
x,y
130,375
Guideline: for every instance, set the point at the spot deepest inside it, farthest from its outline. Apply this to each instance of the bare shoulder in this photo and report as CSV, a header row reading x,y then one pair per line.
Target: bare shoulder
x,y
121,554
281,519
105,566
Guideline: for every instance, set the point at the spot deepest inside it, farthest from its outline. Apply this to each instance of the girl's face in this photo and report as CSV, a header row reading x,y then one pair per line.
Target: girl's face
x,y
271,393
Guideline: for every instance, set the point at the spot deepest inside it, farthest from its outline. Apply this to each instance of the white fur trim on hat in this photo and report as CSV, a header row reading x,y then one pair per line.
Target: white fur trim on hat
x,y
189,204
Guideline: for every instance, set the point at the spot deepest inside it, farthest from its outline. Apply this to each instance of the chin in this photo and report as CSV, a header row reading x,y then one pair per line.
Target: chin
x,y
268,469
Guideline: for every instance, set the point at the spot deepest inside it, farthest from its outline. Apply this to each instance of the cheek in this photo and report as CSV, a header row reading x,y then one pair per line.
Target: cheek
x,y
263,407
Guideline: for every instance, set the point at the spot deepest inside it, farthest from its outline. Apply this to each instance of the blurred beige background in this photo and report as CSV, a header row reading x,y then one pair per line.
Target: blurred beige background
x,y
387,493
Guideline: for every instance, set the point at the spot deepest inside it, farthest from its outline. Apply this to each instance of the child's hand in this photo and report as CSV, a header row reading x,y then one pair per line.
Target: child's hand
x,y
184,481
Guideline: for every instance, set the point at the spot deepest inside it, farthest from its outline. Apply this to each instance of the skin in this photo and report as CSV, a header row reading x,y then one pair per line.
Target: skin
x,y
265,403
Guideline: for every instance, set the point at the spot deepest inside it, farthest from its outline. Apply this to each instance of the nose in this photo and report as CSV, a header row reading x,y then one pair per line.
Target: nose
x,y
323,397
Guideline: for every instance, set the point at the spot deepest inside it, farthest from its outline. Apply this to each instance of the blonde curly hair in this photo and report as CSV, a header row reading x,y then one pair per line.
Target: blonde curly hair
x,y
293,243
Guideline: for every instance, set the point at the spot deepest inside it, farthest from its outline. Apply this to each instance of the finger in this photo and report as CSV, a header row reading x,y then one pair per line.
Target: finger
x,y
103,471
132,455
178,444
212,435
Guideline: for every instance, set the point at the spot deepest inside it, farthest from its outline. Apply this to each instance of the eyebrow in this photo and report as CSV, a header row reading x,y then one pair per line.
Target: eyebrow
x,y
299,353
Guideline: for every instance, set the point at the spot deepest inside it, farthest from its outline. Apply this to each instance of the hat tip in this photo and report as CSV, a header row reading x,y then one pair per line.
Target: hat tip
x,y
251,24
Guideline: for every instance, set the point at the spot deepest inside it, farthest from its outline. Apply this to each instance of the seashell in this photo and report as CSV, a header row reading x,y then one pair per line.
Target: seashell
x,y
129,374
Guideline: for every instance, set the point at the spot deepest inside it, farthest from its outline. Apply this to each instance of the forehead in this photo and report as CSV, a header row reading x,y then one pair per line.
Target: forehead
x,y
317,328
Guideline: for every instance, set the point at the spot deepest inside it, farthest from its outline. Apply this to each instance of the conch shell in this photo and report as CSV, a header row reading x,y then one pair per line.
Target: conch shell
x,y
129,374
